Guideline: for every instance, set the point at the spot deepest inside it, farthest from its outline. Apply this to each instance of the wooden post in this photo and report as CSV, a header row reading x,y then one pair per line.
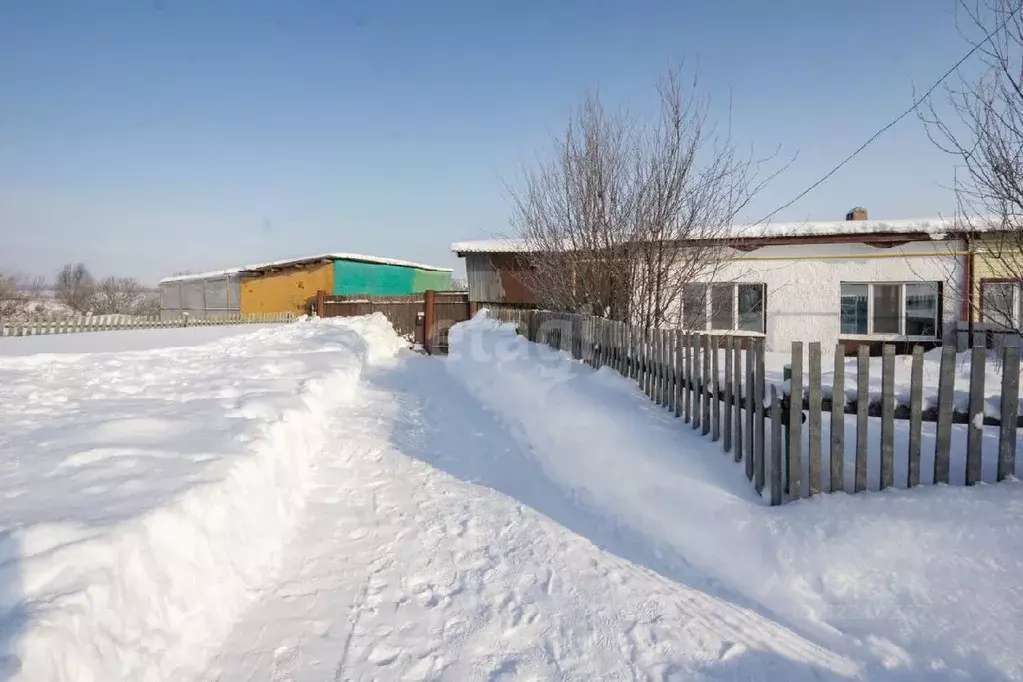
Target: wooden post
x,y
916,399
776,428
429,296
737,393
696,380
862,405
814,433
1010,405
751,387
679,372
837,455
687,376
943,430
887,478
705,385
975,429
715,387
795,463
658,366
729,344
759,451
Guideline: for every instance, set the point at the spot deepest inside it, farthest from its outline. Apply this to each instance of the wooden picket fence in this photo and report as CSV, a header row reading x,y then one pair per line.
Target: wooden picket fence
x,y
45,325
682,372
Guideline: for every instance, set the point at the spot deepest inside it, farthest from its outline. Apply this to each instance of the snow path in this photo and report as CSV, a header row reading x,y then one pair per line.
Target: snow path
x,y
429,550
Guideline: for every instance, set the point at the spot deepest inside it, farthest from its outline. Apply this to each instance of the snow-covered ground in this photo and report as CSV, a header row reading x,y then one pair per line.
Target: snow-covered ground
x,y
309,502
121,340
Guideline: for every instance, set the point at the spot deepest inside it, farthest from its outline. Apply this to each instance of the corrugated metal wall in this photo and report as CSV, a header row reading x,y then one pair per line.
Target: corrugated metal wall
x,y
384,279
497,278
287,290
200,298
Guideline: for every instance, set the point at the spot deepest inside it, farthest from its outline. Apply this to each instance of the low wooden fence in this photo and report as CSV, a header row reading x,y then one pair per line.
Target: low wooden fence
x,y
423,318
44,325
713,382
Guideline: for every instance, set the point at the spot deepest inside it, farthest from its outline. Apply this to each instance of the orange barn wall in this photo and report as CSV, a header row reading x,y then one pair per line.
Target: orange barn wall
x,y
288,290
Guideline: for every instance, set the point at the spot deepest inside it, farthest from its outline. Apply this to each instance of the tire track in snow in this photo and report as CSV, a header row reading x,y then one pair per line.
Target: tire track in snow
x,y
410,565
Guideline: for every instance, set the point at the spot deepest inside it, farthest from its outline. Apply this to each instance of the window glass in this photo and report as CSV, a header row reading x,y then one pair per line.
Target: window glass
x,y
996,302
721,306
751,307
854,308
694,306
886,308
922,309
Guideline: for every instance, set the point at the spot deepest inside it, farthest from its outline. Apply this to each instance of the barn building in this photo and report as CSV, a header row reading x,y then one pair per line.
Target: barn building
x,y
290,285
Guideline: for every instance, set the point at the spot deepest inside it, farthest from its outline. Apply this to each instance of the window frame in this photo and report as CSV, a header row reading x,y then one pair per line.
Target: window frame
x,y
708,308
1017,301
901,334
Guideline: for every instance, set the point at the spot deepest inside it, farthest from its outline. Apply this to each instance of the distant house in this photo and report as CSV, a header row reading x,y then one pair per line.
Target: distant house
x,y
856,281
290,285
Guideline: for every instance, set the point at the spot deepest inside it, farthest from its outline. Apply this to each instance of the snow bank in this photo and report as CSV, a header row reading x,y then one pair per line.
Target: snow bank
x,y
911,584
147,495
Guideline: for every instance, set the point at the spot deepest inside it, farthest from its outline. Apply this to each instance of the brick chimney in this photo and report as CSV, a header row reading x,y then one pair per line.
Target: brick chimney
x,y
858,213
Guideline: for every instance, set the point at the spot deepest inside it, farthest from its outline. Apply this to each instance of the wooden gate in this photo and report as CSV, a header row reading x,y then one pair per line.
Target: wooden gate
x,y
410,315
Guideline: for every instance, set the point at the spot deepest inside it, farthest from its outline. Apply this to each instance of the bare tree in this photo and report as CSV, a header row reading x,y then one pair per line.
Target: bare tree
x,y
980,122
75,287
626,216
124,296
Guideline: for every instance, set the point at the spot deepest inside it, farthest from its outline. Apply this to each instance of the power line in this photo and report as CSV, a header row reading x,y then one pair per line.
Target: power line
x,y
894,121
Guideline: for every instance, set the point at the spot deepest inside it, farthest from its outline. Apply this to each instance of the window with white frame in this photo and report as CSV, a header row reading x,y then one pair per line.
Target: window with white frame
x,y
724,306
1001,303
891,309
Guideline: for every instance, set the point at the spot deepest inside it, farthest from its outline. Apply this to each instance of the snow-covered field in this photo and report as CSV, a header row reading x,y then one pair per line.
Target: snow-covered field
x,y
311,502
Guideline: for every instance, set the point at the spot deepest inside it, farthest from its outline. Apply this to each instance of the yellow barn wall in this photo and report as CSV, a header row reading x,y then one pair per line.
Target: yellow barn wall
x,y
991,261
286,291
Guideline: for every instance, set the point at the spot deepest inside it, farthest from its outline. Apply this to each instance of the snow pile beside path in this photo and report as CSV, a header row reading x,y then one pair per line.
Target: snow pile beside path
x,y
914,584
146,496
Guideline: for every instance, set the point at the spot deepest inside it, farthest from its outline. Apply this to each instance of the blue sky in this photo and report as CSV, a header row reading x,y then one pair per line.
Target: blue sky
x,y
147,137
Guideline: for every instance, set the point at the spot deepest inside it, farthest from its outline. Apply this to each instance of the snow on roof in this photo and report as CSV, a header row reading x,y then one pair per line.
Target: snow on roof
x,y
821,228
298,261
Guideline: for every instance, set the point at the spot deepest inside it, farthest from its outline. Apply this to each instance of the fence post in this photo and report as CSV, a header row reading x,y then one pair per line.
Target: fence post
x,y
687,377
679,371
1010,406
729,342
795,432
943,429
715,387
814,426
321,302
697,380
887,478
776,429
836,461
751,385
705,385
862,405
975,429
429,296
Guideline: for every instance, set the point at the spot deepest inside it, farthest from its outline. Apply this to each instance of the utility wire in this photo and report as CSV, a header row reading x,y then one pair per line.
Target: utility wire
x,y
894,121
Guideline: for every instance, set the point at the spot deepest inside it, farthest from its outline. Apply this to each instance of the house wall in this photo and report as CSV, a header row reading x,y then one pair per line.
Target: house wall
x,y
201,298
804,291
382,279
288,290
496,278
991,261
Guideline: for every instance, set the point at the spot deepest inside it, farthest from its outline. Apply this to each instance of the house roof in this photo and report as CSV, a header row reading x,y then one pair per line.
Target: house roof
x,y
260,267
930,226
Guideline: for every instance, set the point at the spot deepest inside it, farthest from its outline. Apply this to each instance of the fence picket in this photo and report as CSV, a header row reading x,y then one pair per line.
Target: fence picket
x,y
758,402
862,405
916,394
696,381
727,418
715,387
795,435
737,393
887,477
975,428
687,376
1010,406
776,437
836,462
658,380
943,431
751,387
705,385
814,426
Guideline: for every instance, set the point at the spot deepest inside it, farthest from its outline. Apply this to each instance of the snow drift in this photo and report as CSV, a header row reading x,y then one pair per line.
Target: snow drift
x,y
911,584
145,496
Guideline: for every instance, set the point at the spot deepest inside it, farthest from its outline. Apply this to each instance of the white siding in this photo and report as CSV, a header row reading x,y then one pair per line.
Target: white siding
x,y
804,293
